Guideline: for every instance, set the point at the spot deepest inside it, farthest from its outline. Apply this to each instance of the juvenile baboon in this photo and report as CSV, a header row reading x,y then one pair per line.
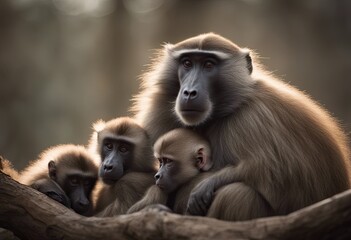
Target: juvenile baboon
x,y
46,186
184,156
127,166
267,137
66,173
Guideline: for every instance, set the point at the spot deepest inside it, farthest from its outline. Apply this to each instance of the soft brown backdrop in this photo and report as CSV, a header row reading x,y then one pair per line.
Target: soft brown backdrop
x,y
67,63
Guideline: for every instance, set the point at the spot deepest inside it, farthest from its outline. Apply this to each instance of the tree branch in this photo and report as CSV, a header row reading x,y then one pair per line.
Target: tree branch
x,y
31,215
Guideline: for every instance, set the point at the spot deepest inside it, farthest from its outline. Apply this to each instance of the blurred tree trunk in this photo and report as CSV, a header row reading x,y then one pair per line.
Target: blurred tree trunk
x,y
31,215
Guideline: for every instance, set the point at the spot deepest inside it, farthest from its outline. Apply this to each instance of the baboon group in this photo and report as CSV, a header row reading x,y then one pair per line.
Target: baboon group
x,y
211,133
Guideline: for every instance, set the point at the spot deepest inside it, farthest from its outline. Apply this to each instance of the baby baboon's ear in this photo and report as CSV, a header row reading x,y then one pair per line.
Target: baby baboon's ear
x,y
203,161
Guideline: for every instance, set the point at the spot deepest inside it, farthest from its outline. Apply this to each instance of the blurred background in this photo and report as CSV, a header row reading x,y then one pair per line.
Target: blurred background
x,y
67,63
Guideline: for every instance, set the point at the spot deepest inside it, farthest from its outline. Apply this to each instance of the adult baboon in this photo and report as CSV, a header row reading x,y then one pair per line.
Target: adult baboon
x,y
266,136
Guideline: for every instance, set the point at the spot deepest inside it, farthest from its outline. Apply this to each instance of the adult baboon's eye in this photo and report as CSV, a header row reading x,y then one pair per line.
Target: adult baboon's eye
x,y
187,63
209,65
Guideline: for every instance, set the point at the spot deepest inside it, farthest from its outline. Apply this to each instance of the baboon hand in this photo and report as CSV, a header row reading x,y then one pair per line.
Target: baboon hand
x,y
201,198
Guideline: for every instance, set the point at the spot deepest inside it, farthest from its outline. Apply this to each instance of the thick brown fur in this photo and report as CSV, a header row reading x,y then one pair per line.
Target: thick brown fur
x,y
117,197
284,148
182,171
7,168
113,200
68,159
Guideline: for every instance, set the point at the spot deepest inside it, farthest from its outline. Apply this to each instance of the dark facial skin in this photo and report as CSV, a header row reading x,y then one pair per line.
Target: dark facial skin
x,y
195,73
165,177
78,188
51,189
115,154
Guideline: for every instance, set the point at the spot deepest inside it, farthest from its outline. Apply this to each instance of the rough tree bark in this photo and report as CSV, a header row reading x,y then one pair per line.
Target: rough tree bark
x,y
31,215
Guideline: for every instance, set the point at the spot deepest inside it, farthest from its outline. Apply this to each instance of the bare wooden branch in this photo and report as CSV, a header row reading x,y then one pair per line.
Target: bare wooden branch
x,y
31,215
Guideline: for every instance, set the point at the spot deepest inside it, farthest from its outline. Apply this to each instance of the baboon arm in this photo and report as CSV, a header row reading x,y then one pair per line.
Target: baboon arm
x,y
154,195
225,176
202,195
